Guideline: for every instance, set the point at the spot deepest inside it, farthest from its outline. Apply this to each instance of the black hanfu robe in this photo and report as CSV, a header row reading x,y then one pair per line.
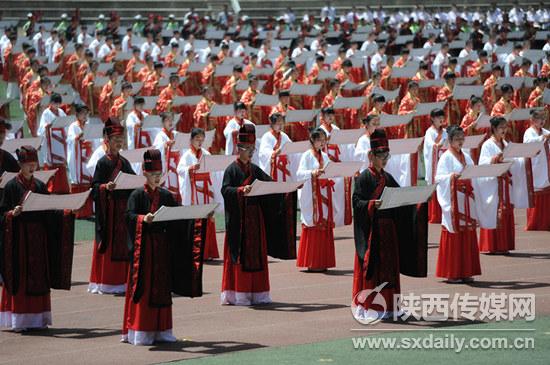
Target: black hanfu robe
x,y
110,207
36,253
387,242
249,221
8,163
167,257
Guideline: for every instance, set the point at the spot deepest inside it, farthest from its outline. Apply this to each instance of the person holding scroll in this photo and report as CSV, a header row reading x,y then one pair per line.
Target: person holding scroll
x,y
452,110
7,162
536,97
270,159
32,108
150,84
233,126
229,91
110,255
106,96
255,227
199,187
36,251
408,106
153,247
458,255
538,217
493,196
489,87
200,115
386,242
117,110
282,108
164,103
316,248
164,140
469,122
505,106
435,144
362,148
134,123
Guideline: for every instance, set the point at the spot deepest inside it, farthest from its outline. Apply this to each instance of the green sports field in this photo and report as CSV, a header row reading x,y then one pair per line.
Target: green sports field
x,y
343,351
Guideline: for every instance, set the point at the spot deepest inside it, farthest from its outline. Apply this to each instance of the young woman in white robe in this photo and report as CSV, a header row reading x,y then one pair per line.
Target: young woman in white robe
x,y
435,143
458,255
200,188
163,142
271,161
316,248
231,131
78,154
370,123
342,187
493,195
134,121
538,217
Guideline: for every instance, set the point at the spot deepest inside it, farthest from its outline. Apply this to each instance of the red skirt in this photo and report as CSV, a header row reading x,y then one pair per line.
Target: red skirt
x,y
316,249
434,210
141,316
538,217
107,272
458,255
501,239
236,280
211,245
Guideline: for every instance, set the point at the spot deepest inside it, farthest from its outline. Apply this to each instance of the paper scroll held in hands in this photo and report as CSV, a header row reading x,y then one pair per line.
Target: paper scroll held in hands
x,y
42,175
124,181
165,214
400,197
213,163
341,169
39,202
272,187
10,145
522,150
492,170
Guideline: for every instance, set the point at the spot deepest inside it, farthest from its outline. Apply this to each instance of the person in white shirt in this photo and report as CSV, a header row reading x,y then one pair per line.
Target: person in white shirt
x,y
52,39
204,53
370,44
328,11
314,46
351,15
546,47
38,42
223,16
510,60
300,48
239,51
134,122
466,52
55,47
289,16
156,49
271,144
353,48
84,38
77,153
516,15
491,45
264,51
52,150
378,61
232,127
165,139
440,61
127,41
431,41
106,48
95,44
146,47
183,46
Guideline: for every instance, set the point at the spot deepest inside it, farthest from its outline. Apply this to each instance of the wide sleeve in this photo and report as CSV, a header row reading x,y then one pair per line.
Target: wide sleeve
x,y
363,213
265,153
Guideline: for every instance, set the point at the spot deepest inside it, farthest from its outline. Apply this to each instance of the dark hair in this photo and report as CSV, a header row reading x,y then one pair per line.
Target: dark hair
x,y
347,63
496,121
437,112
453,130
139,100
483,54
125,86
412,84
496,67
239,105
273,118
475,99
506,88
332,83
55,98
316,134
369,118
197,132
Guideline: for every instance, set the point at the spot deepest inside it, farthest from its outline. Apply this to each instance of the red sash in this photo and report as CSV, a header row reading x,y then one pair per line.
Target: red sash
x,y
465,187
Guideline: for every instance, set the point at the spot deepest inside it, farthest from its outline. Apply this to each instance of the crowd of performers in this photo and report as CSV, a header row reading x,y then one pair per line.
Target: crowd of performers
x,y
120,83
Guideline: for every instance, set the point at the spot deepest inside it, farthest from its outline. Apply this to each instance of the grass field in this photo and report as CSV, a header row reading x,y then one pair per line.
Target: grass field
x,y
343,351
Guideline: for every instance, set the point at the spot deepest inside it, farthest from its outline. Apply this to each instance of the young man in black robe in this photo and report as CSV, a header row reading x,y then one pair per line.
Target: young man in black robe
x,y
110,258
7,161
387,242
255,227
166,258
36,251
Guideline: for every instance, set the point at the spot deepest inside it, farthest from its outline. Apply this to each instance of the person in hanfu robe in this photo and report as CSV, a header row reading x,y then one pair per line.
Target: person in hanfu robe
x,y
407,106
198,188
79,152
166,97
151,82
494,196
316,248
435,144
362,148
32,108
106,97
231,130
458,255
538,216
271,160
504,107
36,251
469,121
166,259
452,110
489,87
110,254
134,122
7,162
338,153
117,109
255,228
387,242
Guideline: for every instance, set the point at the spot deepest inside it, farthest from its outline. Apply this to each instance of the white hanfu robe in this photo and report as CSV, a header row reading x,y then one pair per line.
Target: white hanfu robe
x,y
230,132
541,178
54,140
268,142
430,139
78,154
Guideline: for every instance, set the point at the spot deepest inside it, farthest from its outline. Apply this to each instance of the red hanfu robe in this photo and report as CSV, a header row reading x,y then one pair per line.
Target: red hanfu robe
x,y
254,229
166,258
387,242
37,255
164,102
414,128
452,110
110,256
516,128
105,101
